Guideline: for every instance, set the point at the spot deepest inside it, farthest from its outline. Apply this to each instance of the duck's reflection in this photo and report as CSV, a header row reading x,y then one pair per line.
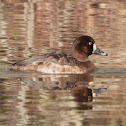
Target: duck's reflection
x,y
77,84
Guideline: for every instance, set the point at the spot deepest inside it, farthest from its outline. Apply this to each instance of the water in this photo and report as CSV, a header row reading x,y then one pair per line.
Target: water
x,y
33,27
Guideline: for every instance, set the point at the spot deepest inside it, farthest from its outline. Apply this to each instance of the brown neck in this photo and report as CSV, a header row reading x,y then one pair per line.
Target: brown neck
x,y
80,57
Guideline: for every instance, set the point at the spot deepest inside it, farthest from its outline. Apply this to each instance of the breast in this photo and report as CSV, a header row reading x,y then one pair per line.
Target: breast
x,y
54,63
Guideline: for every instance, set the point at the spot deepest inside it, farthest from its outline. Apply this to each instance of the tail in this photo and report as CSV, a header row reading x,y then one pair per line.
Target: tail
x,y
23,68
16,68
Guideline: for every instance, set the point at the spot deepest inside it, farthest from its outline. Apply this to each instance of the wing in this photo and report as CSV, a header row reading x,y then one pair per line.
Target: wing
x,y
58,58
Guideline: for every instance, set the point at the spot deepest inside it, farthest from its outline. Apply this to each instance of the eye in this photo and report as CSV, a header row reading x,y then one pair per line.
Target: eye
x,y
90,43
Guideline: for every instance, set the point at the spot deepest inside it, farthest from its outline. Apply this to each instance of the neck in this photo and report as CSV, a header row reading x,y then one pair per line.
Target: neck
x,y
81,58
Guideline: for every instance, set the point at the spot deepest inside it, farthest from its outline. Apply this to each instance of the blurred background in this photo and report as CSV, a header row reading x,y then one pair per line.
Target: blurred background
x,y
34,27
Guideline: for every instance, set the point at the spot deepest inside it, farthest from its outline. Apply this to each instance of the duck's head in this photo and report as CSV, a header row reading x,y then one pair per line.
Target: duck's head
x,y
84,46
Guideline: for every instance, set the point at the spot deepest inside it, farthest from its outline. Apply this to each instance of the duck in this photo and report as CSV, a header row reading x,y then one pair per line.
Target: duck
x,y
61,63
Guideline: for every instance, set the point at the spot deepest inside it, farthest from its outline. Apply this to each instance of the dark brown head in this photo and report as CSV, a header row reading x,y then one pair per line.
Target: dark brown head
x,y
84,46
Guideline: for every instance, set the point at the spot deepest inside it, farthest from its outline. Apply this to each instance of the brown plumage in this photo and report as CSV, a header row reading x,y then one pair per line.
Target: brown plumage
x,y
53,63
60,63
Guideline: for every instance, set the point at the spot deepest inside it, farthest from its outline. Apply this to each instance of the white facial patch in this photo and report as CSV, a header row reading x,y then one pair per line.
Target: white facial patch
x,y
94,47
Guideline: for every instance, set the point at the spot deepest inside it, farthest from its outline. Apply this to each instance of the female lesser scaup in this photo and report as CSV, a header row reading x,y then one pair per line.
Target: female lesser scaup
x,y
60,63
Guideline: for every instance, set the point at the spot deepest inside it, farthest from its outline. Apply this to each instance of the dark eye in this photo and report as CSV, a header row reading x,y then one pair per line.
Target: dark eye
x,y
90,43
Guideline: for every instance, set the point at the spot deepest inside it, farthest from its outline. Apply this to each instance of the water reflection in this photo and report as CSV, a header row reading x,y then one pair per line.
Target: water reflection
x,y
36,98
33,99
77,84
